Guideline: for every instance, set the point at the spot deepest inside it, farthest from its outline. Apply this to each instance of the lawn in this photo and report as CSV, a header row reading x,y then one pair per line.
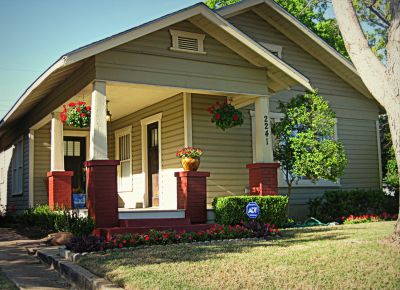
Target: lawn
x,y
5,283
339,257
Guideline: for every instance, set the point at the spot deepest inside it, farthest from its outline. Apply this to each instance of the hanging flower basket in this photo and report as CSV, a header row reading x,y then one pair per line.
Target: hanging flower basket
x,y
190,158
225,116
76,114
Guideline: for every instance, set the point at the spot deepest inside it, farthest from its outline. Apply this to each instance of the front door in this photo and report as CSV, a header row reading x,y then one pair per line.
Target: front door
x,y
74,158
152,164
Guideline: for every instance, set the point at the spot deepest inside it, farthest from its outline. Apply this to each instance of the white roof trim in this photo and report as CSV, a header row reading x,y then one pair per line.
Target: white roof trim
x,y
142,30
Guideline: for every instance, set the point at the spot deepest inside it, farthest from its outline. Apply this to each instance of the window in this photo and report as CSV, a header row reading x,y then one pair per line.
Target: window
x,y
123,152
275,49
17,168
72,148
303,181
184,41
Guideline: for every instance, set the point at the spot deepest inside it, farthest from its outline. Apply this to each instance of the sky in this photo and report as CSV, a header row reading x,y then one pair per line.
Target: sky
x,y
35,33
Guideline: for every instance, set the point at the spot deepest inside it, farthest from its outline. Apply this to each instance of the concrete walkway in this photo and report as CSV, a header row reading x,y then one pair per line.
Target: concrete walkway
x,y
27,272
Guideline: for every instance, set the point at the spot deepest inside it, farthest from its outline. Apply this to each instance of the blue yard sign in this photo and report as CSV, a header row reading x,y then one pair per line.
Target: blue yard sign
x,y
78,200
252,210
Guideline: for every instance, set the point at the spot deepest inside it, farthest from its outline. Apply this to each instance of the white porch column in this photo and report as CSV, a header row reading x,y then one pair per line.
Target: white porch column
x,y
98,123
263,138
57,144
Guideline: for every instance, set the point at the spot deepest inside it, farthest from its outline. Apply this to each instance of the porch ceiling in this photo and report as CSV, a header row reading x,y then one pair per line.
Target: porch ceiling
x,y
126,98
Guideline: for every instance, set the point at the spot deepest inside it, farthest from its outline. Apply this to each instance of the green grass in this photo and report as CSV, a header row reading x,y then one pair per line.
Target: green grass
x,y
340,257
5,283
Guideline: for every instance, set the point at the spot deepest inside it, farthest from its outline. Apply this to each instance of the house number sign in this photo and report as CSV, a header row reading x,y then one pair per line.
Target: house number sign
x,y
266,126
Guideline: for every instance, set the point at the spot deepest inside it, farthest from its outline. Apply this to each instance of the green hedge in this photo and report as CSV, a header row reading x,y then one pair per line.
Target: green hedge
x,y
336,204
231,210
46,220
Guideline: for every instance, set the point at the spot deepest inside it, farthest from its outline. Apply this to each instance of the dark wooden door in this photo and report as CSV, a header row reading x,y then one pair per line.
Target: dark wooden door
x,y
153,164
74,158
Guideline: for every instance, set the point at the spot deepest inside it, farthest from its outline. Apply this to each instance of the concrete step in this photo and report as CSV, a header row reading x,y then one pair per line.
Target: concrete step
x,y
131,223
147,214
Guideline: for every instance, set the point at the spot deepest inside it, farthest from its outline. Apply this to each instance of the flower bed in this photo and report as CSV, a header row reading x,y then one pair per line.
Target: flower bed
x,y
154,237
368,218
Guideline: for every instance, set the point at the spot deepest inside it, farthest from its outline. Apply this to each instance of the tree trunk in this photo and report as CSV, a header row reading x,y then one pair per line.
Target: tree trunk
x,y
383,82
289,193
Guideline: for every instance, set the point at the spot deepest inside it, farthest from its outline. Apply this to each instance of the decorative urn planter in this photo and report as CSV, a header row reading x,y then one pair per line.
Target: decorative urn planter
x,y
190,158
190,164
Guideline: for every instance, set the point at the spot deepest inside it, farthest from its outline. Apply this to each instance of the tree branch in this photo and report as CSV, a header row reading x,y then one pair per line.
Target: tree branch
x,y
369,67
378,13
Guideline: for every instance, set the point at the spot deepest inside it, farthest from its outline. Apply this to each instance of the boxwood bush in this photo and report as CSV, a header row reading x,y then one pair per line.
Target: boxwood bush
x,y
231,210
336,204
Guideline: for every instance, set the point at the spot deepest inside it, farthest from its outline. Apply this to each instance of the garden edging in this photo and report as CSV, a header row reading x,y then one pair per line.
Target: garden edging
x,y
73,273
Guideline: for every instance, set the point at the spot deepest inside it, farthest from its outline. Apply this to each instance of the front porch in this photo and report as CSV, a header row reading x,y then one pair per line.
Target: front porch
x,y
141,127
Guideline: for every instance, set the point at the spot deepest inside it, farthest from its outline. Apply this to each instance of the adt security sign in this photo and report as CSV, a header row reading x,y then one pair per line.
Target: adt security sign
x,y
252,210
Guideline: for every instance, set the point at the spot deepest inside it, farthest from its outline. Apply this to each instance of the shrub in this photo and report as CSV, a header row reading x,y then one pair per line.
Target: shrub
x,y
85,244
47,220
333,205
231,210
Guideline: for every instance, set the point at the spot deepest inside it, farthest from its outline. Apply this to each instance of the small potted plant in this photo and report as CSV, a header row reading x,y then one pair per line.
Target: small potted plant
x,y
76,114
225,115
190,158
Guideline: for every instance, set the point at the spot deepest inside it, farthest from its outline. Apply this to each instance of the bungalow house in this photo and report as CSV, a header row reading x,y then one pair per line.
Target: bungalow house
x,y
149,89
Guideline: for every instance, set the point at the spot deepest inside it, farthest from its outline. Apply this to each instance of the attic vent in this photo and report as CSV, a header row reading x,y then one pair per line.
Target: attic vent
x,y
184,41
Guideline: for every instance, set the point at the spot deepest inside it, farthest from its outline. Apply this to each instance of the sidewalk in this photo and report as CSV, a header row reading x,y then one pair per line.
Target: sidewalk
x,y
26,271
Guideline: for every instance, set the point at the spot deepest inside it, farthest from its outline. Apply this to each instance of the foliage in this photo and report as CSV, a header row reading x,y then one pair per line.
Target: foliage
x,y
231,210
76,114
261,230
375,21
47,220
305,143
225,115
80,244
189,152
311,13
70,221
389,164
368,218
336,204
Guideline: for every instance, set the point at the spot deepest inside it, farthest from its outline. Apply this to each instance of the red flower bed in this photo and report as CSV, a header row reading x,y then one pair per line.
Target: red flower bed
x,y
368,218
154,237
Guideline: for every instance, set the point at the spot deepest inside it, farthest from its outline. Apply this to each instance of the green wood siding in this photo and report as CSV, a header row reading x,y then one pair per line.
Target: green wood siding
x,y
148,60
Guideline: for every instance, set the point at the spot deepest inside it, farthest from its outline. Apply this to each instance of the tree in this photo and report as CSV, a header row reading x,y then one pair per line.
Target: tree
x,y
381,79
305,145
312,13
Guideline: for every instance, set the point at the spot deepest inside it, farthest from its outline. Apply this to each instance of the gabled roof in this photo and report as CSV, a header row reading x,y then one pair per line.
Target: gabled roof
x,y
281,75
295,30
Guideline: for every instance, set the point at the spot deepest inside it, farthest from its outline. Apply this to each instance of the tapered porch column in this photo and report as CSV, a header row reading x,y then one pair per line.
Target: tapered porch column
x,y
60,190
101,173
263,178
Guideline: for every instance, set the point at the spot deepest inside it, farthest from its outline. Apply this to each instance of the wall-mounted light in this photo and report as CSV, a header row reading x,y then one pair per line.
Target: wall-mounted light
x,y
108,116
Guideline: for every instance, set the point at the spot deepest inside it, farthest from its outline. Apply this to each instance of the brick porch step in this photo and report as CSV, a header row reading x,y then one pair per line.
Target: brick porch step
x,y
138,223
109,232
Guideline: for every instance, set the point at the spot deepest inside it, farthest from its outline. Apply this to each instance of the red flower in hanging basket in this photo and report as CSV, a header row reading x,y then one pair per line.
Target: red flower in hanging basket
x,y
225,115
76,114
